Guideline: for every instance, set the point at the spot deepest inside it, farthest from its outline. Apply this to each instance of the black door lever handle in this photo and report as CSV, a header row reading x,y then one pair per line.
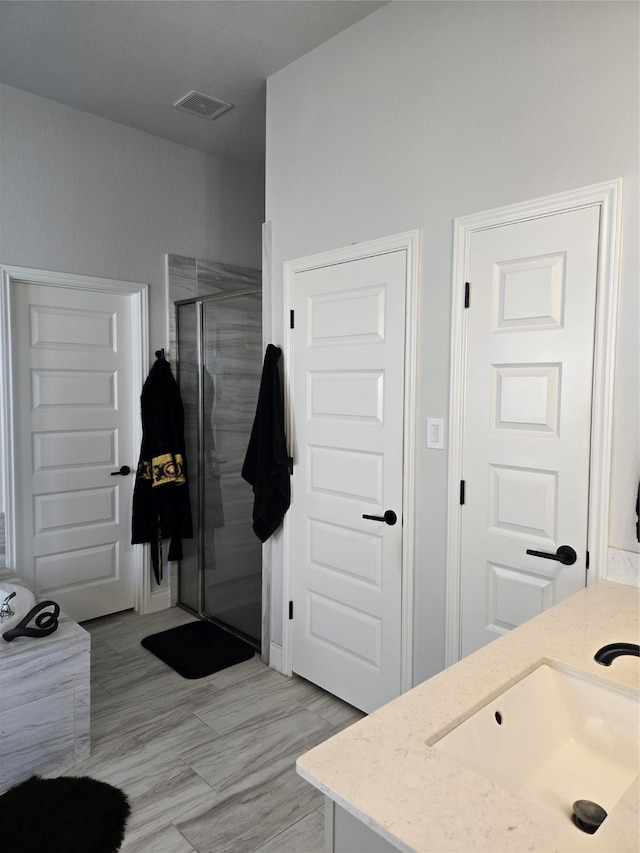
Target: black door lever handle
x,y
124,470
389,517
565,555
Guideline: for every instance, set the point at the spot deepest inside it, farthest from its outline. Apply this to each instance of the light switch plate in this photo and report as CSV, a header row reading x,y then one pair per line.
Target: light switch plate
x,y
435,433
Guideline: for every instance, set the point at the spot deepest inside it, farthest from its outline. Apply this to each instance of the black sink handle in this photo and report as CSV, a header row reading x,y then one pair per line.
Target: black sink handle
x,y
565,555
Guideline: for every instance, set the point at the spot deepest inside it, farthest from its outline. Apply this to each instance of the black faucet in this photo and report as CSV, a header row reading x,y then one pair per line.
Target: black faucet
x,y
608,653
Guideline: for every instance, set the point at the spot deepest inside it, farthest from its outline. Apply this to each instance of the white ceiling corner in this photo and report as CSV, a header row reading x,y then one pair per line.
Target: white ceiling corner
x,y
130,60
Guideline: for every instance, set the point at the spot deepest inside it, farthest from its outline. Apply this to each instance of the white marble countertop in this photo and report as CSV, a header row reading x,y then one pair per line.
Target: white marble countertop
x,y
382,770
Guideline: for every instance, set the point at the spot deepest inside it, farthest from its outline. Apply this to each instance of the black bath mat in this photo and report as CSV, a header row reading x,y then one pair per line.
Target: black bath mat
x,y
70,814
197,649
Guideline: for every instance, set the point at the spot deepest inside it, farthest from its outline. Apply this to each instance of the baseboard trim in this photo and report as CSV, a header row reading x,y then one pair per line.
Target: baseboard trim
x,y
275,657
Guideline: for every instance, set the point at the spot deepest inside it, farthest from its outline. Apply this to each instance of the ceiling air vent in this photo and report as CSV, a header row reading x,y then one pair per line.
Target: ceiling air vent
x,y
199,104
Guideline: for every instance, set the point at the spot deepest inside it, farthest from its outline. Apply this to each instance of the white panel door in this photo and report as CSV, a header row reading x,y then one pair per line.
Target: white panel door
x,y
527,418
348,398
71,353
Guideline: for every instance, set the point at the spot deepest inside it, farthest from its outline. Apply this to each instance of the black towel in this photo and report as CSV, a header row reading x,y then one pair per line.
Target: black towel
x,y
267,465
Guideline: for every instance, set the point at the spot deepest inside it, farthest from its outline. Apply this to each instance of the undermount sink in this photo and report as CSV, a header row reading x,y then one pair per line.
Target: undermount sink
x,y
553,738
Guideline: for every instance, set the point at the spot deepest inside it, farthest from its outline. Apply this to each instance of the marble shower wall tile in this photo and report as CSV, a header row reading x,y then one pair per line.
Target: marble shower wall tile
x,y
191,277
215,278
182,285
182,277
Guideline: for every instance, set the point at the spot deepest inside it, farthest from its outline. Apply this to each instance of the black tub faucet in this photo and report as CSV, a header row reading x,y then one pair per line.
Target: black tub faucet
x,y
5,607
608,653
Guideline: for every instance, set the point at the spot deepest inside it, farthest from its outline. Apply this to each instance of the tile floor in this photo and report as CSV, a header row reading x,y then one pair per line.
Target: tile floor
x,y
208,764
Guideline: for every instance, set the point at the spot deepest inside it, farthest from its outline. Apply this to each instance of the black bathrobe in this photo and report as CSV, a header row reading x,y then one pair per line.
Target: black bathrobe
x,y
161,507
267,465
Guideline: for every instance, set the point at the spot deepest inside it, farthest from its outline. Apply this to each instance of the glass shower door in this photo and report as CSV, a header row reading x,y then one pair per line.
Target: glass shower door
x,y
232,366
188,333
228,357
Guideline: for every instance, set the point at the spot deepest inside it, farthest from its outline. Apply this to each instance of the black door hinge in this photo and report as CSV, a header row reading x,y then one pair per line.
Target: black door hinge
x,y
587,561
462,485
291,610
291,319
467,293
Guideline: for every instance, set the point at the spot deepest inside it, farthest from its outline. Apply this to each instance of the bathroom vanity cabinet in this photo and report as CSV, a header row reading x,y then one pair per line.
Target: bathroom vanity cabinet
x,y
388,788
345,833
44,702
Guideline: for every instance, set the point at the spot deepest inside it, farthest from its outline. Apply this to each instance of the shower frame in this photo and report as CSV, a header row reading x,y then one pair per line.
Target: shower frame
x,y
198,302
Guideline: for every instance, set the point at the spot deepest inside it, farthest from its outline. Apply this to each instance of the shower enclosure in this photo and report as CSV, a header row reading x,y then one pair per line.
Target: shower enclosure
x,y
219,349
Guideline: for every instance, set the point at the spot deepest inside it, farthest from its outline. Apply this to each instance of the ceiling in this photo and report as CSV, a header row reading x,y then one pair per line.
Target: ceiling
x,y
130,60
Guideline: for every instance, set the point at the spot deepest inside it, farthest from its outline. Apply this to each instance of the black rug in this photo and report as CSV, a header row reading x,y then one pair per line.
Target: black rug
x,y
70,814
198,649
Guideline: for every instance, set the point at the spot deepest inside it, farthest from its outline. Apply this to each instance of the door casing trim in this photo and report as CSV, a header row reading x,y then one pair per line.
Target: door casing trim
x,y
138,294
408,242
608,195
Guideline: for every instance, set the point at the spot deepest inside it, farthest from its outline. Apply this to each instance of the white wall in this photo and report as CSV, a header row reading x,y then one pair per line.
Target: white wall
x,y
83,195
426,111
